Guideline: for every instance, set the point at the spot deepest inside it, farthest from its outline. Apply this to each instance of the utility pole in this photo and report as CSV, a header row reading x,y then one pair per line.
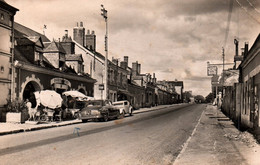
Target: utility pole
x,y
104,14
223,55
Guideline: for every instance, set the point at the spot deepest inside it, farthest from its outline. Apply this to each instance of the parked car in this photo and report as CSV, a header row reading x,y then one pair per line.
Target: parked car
x,y
124,107
99,109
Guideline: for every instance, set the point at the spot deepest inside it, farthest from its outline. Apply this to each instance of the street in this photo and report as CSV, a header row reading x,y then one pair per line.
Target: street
x,y
152,137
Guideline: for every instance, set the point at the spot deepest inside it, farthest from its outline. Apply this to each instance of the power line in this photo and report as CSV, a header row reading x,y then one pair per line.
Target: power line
x,y
247,11
258,11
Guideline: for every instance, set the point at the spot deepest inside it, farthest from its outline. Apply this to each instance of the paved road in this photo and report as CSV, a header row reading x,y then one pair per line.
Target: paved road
x,y
154,137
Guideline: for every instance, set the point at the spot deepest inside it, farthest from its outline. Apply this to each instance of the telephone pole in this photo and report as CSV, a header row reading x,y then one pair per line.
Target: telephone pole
x,y
223,56
104,14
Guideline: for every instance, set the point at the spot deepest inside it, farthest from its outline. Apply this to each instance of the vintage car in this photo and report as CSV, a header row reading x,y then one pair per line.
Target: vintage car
x,y
98,109
124,107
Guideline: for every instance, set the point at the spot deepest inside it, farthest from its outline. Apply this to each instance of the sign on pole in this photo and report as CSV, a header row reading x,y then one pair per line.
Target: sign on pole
x,y
212,70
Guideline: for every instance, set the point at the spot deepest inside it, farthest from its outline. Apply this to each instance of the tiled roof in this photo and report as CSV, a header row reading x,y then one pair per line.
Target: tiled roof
x,y
19,56
29,32
55,47
73,57
46,44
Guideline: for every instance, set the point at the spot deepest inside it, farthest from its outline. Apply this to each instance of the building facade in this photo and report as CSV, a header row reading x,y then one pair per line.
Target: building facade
x,y
250,79
7,13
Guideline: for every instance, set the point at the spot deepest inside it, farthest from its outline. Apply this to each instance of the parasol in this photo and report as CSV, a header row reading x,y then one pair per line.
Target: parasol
x,y
50,99
74,94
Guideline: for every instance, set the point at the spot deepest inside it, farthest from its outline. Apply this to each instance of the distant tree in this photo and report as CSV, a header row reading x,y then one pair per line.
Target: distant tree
x,y
199,99
210,98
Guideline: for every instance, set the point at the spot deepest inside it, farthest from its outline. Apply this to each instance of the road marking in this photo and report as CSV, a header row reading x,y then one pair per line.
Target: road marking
x,y
76,129
188,140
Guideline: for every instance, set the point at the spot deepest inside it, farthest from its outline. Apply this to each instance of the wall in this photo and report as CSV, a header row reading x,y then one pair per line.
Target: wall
x,y
5,56
94,67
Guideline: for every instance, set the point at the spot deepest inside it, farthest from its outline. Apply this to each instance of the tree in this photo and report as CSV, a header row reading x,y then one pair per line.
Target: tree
x,y
210,98
199,99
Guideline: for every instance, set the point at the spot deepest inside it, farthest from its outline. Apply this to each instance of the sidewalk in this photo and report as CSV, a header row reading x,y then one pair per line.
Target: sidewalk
x,y
9,128
216,141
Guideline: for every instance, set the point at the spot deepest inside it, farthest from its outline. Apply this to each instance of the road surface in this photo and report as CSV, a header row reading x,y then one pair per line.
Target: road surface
x,y
151,137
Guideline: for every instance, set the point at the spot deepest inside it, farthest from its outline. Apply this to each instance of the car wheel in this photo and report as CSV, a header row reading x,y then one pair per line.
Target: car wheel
x,y
76,116
122,115
84,120
131,112
105,118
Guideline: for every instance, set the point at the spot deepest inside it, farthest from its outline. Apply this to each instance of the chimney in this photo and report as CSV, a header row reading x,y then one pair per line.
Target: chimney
x,y
79,34
236,43
90,40
126,60
134,68
66,33
139,68
115,61
246,49
123,65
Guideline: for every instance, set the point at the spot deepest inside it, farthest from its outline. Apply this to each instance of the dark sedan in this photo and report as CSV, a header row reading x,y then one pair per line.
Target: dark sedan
x,y
99,109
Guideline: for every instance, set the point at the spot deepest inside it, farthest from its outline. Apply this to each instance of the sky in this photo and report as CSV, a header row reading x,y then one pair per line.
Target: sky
x,y
172,38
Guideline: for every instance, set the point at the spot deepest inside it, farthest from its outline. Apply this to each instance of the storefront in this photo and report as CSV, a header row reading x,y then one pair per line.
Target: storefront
x,y
30,78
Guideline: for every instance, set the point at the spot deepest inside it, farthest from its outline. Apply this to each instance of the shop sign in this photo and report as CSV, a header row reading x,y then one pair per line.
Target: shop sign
x,y
212,70
60,81
60,86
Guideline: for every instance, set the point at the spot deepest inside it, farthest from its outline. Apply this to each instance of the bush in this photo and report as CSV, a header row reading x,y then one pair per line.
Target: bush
x,y
15,106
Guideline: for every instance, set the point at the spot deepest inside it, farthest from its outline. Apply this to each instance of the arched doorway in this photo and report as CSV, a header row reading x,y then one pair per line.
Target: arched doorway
x,y
29,90
82,91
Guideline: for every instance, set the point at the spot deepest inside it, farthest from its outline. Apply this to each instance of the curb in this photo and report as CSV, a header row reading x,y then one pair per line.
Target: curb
x,y
66,124
36,128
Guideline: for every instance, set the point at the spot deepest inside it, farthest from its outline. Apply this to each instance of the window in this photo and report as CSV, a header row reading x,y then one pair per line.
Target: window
x,y
2,69
2,16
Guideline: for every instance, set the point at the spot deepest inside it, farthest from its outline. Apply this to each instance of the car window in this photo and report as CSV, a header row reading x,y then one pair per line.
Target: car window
x,y
94,103
116,104
125,103
80,104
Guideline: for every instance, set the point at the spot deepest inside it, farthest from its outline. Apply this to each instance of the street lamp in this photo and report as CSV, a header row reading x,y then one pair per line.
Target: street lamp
x,y
104,14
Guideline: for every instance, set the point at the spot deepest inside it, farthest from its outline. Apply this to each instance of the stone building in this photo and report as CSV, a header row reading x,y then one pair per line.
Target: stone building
x,y
46,65
85,44
7,13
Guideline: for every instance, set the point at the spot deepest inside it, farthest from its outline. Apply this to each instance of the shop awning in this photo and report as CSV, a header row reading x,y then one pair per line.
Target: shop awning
x,y
124,92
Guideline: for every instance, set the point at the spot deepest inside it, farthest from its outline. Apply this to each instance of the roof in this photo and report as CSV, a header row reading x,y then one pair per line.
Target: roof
x,y
251,52
6,6
73,57
176,83
29,32
19,56
55,47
